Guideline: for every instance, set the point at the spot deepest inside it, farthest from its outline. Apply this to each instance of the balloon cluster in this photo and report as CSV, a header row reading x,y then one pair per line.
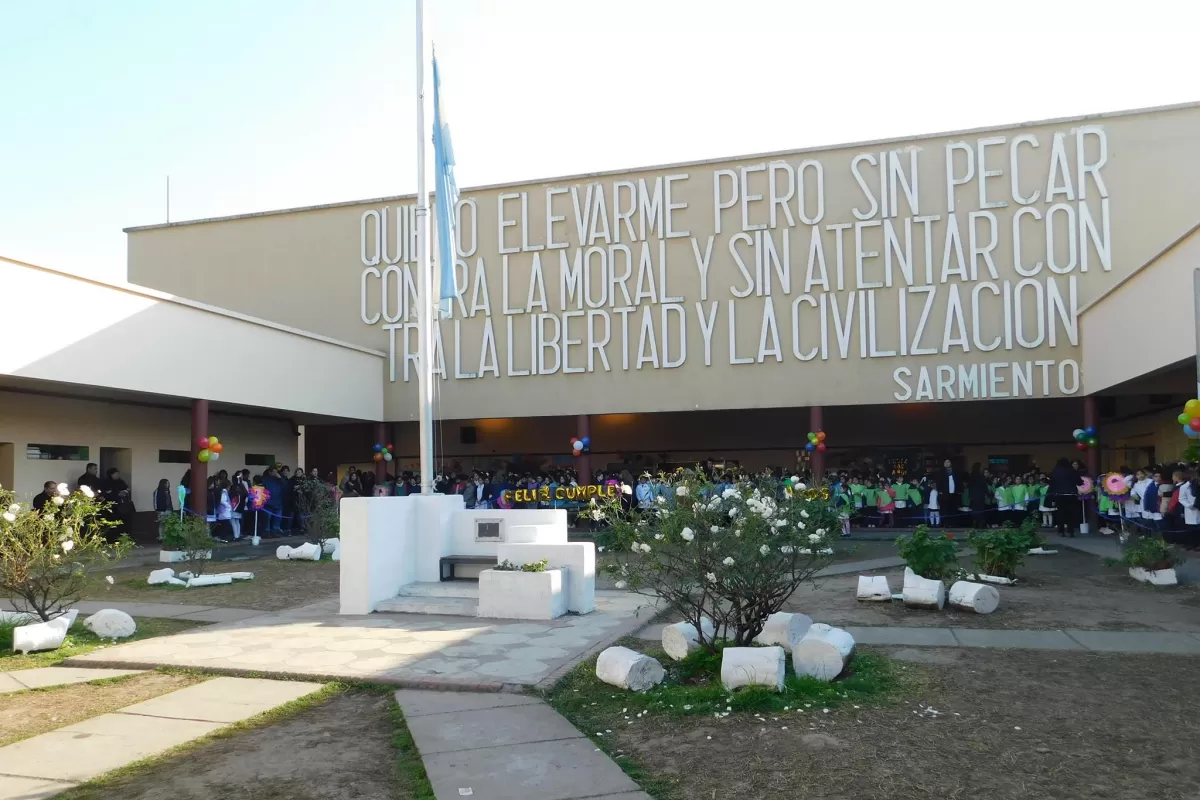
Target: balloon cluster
x,y
581,445
210,449
1190,419
816,441
1085,437
383,452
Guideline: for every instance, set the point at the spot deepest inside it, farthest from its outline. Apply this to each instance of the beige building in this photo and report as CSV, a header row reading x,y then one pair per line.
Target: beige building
x,y
977,294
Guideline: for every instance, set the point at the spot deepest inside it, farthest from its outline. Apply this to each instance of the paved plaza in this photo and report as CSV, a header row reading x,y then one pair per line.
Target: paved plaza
x,y
403,649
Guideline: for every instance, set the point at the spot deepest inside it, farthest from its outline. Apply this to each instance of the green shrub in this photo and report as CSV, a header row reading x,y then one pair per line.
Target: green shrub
x,y
999,552
190,535
930,555
1152,553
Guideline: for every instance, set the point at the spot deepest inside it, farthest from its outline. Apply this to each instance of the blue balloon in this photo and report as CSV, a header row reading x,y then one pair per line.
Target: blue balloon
x,y
810,447
1090,431
377,448
587,441
1188,432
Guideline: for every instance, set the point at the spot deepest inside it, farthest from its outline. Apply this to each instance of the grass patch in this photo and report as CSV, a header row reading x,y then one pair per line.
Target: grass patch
x,y
692,688
80,641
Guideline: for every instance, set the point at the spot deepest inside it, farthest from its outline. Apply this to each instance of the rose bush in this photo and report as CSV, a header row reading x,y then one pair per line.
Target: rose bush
x,y
50,558
733,554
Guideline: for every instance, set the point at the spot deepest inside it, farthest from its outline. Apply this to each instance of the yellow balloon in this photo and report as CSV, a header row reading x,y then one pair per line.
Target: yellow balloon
x,y
1192,408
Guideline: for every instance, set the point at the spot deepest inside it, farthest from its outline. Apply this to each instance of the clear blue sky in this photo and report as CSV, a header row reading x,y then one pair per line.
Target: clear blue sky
x,y
272,103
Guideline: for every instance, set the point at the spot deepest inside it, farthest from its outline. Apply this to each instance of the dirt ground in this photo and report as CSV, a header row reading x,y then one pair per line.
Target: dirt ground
x,y
341,750
1019,725
26,714
1068,590
277,585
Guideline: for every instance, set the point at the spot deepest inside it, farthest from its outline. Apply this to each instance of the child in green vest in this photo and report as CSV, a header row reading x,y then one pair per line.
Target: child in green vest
x,y
856,499
900,492
1020,500
1046,511
885,503
869,508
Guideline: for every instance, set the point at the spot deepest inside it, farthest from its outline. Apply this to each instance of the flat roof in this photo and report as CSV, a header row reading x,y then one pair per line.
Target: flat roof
x,y
700,163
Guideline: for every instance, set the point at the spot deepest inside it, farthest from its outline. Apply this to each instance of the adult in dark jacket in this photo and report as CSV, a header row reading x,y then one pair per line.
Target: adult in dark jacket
x,y
1063,496
277,488
950,486
90,478
977,487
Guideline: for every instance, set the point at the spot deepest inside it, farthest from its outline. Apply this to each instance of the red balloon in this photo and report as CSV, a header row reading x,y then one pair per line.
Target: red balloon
x,y
202,441
820,447
1081,446
391,447
1194,423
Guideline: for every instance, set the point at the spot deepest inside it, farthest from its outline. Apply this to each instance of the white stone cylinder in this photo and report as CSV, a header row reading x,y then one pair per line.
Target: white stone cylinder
x,y
166,576
977,597
111,623
331,546
784,629
823,653
874,587
629,669
209,580
683,638
922,592
305,552
753,666
41,635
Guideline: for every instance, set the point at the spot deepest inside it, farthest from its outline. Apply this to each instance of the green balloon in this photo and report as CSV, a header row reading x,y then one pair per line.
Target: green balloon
x,y
1183,419
1092,441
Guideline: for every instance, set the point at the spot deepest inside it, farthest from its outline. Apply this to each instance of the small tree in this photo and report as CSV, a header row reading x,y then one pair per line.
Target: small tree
x,y
733,554
50,558
190,535
318,508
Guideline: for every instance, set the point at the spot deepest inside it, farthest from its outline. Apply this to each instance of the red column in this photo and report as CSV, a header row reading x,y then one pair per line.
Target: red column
x,y
815,423
1091,420
381,433
198,500
583,461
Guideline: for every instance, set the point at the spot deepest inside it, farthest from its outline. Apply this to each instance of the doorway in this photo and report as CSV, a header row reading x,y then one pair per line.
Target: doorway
x,y
119,457
8,465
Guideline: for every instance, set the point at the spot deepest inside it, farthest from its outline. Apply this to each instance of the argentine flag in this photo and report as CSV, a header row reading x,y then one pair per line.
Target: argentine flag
x,y
446,194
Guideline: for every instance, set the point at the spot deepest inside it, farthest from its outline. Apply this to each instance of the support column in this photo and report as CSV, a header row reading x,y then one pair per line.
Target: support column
x,y
816,422
381,432
583,461
197,501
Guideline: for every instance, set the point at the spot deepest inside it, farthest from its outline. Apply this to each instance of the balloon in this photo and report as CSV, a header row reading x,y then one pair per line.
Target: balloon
x,y
1081,445
1092,441
1195,424
1183,419
391,448
212,440
820,447
202,441
377,457
214,456
587,441
577,447
574,439
812,437
387,456
218,448
1192,408
820,436
1079,434
1089,431
1190,432
377,448
181,491
203,456
810,447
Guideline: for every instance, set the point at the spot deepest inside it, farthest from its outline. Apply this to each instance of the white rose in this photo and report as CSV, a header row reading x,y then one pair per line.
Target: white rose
x,y
804,513
58,501
63,490
796,481
729,493
711,577
687,534
660,499
814,538
68,545
733,512
87,491
620,584
10,517
766,551
787,548
681,491
800,525
15,508
820,531
737,532
658,536
715,529
729,562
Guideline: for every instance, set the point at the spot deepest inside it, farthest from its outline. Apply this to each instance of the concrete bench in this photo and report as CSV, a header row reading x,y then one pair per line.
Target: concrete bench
x,y
452,561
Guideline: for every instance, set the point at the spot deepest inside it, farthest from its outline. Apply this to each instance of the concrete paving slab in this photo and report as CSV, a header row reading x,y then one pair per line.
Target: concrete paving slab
x,y
10,684
42,677
418,703
861,566
220,615
224,700
13,788
1136,641
1026,640
82,751
492,727
560,770
907,637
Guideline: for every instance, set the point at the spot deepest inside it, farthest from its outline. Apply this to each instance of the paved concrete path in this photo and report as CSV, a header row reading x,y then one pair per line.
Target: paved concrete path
x,y
162,610
46,765
502,746
43,677
413,650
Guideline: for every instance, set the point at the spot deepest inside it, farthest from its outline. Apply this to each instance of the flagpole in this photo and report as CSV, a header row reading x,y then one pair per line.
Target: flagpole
x,y
424,282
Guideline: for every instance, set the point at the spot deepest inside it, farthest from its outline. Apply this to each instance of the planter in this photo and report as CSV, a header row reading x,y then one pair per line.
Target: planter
x,y
1158,577
512,594
173,556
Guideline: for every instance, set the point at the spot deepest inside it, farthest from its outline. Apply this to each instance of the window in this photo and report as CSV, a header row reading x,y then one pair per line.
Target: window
x,y
57,452
174,457
260,460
